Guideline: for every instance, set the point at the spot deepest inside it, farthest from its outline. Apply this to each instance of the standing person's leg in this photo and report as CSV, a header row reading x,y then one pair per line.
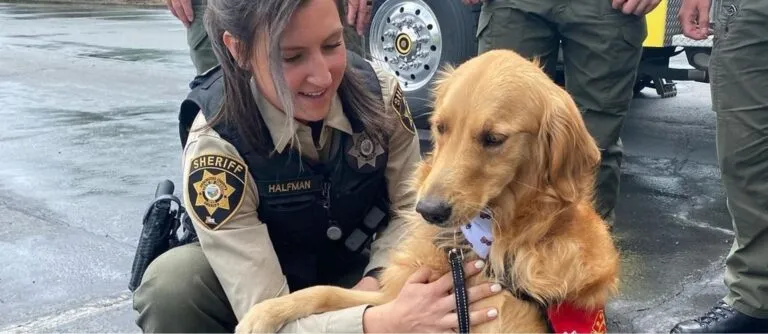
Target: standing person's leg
x,y
602,48
180,293
521,26
739,83
200,49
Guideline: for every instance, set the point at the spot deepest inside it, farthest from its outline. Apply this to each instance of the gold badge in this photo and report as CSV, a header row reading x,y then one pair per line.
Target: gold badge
x,y
216,185
365,150
402,109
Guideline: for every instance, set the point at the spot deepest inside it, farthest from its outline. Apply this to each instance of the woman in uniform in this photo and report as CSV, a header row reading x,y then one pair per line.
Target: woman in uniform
x,y
298,153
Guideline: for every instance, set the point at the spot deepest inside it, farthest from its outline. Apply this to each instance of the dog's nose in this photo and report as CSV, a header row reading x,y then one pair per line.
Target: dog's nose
x,y
434,210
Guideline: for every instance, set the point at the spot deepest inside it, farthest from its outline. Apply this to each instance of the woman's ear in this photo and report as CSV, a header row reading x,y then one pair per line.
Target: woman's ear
x,y
233,45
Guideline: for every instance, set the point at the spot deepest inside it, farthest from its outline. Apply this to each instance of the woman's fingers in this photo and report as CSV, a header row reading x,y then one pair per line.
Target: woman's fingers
x,y
420,276
479,292
445,283
477,317
475,293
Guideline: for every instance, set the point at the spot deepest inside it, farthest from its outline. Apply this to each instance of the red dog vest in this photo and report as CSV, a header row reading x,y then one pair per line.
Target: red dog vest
x,y
565,318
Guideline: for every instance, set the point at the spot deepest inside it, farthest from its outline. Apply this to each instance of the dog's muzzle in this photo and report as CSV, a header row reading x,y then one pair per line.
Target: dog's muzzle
x,y
434,210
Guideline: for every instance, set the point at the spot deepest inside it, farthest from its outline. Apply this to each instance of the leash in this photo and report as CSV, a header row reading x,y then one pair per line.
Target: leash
x,y
460,291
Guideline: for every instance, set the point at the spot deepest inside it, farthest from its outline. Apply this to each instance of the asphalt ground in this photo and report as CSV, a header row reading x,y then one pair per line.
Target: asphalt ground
x,y
88,102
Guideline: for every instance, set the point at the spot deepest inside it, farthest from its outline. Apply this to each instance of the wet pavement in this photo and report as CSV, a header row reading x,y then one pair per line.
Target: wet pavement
x,y
89,99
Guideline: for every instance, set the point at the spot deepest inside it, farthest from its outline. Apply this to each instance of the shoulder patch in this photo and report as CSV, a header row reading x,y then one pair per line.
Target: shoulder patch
x,y
216,184
401,107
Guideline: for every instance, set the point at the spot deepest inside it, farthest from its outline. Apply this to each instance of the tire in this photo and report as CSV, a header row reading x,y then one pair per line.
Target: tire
x,y
432,33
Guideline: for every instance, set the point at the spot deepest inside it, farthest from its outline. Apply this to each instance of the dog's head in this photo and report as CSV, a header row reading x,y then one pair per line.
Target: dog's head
x,y
503,134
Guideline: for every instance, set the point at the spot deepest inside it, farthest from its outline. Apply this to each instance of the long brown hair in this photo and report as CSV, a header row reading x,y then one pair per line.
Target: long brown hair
x,y
247,19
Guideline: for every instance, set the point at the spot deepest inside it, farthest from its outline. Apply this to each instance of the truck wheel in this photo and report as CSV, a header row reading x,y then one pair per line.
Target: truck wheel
x,y
414,38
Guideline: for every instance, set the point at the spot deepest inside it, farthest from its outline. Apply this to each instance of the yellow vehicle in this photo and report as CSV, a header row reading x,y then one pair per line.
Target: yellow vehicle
x,y
665,40
413,38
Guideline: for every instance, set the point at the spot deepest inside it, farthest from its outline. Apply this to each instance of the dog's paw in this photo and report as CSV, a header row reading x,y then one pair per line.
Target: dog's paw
x,y
259,319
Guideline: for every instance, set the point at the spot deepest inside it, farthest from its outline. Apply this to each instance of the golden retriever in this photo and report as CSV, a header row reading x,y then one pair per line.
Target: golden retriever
x,y
507,139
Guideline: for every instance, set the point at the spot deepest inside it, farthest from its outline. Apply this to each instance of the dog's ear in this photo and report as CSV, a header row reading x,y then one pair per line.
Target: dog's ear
x,y
440,82
567,154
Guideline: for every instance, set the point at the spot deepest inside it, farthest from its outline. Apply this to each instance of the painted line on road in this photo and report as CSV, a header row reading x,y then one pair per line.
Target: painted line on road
x,y
51,322
684,220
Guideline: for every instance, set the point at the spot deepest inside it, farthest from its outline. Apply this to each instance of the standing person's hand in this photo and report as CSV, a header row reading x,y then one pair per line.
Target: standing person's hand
x,y
694,16
182,10
424,306
636,7
359,14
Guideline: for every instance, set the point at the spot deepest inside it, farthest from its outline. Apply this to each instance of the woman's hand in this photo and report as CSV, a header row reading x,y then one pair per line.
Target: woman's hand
x,y
424,306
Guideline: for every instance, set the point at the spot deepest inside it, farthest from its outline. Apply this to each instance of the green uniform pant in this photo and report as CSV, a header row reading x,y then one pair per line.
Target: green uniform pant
x,y
201,50
179,293
601,52
739,84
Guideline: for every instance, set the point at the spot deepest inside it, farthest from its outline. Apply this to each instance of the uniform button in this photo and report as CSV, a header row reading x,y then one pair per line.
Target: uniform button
x,y
333,233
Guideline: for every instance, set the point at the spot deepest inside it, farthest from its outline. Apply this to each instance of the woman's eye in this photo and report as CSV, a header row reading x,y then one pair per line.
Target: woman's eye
x,y
333,46
291,59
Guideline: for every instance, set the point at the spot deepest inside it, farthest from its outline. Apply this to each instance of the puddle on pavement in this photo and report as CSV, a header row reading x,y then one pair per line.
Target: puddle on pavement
x,y
657,186
34,36
27,12
96,15
126,54
71,117
114,53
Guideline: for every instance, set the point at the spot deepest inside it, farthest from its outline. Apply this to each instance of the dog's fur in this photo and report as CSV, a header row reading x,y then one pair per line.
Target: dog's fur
x,y
538,182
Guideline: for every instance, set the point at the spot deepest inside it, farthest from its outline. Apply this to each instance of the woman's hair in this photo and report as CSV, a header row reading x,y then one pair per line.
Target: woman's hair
x,y
245,19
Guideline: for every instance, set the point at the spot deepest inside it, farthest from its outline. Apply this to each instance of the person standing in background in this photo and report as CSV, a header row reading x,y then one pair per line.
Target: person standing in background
x,y
602,43
190,13
738,83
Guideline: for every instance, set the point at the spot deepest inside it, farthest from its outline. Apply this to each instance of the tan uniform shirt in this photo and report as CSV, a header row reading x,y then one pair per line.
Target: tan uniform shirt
x,y
238,246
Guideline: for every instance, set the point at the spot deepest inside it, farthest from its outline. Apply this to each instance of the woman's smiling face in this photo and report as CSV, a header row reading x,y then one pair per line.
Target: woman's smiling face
x,y
313,56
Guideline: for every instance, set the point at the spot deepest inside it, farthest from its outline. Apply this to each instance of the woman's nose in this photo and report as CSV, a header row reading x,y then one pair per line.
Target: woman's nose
x,y
320,74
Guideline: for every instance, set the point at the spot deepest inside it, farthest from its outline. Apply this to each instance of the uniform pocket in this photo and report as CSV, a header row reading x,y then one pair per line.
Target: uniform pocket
x,y
196,33
483,21
635,32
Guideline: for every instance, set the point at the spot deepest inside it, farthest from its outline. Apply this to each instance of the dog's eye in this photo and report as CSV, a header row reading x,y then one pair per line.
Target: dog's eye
x,y
440,128
493,139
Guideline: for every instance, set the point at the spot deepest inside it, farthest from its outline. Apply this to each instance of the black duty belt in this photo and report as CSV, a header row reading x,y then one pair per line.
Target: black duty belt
x,y
460,290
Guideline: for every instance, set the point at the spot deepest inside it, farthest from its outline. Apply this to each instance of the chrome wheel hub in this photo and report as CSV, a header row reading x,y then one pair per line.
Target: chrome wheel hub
x,y
405,38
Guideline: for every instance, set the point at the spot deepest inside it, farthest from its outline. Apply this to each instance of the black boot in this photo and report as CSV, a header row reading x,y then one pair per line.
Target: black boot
x,y
722,318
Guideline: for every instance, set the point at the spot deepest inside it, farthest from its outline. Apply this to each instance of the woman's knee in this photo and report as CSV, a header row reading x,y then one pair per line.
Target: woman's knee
x,y
179,286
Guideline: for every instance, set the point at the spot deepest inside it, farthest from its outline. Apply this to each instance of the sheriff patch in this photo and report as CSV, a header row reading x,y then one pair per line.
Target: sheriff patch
x,y
401,107
215,187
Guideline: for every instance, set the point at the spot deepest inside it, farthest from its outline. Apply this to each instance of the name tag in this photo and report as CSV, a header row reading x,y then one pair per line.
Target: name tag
x,y
290,187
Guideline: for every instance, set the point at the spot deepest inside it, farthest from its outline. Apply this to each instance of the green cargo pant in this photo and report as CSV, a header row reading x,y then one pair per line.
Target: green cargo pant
x,y
179,293
601,52
201,50
739,84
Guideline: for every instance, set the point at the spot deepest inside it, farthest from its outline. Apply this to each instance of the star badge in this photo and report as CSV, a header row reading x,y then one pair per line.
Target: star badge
x,y
213,192
365,150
